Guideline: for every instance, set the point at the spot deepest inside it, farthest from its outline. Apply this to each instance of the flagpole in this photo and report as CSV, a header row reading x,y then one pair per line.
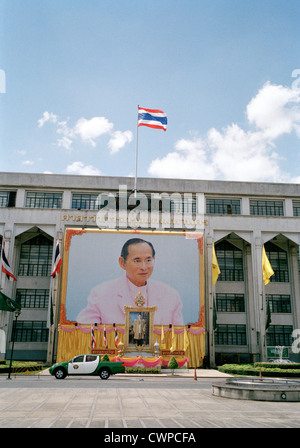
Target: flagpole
x,y
136,153
1,273
267,274
1,265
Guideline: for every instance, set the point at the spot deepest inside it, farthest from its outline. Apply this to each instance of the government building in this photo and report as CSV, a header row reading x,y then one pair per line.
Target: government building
x,y
236,220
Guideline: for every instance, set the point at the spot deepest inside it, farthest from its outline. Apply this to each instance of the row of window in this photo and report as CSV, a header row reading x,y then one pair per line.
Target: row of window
x,y
230,260
235,303
227,334
257,207
173,203
30,331
36,259
225,302
33,298
91,201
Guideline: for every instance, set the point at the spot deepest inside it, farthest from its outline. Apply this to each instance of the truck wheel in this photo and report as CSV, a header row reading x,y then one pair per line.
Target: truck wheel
x,y
104,374
60,374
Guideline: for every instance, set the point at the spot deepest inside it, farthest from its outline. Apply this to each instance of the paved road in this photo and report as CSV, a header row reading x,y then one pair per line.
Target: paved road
x,y
114,382
133,402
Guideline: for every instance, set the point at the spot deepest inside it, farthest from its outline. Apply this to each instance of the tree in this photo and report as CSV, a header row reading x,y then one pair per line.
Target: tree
x,y
173,364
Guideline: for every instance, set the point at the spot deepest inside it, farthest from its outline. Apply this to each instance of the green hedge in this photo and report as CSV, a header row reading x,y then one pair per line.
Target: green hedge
x,y
21,366
272,365
266,370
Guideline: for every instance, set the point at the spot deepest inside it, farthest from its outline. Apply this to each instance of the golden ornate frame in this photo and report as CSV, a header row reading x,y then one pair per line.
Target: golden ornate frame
x,y
71,232
133,348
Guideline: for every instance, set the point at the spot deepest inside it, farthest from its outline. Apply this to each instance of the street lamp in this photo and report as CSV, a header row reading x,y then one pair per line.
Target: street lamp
x,y
17,314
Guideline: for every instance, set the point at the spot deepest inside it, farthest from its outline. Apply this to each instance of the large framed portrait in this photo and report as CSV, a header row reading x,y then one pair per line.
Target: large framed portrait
x,y
139,329
173,278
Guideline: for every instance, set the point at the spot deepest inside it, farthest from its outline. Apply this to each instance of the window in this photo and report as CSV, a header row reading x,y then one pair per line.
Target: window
x,y
36,257
145,201
182,205
43,200
296,208
279,303
223,206
33,298
230,303
268,208
85,201
231,335
279,262
8,198
30,331
230,260
78,358
279,335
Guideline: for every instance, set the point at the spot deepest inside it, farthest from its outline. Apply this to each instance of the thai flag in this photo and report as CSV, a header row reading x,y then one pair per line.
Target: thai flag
x,y
116,338
153,118
57,261
6,269
93,339
104,338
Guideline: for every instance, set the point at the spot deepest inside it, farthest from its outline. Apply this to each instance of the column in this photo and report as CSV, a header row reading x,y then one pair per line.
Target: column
x,y
210,303
55,296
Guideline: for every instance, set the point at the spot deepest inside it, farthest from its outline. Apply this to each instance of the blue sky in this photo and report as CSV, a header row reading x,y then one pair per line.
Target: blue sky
x,y
224,71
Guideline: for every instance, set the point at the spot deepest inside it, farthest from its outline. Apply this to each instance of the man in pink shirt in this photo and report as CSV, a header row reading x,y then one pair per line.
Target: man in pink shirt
x,y
106,301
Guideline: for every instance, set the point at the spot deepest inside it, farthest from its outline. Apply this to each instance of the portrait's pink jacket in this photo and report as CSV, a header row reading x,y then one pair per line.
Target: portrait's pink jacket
x,y
106,303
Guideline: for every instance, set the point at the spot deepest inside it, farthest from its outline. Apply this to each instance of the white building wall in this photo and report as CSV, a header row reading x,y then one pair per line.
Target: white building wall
x,y
252,231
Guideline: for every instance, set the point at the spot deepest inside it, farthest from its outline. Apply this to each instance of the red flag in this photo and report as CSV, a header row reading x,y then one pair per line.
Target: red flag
x,y
104,337
116,338
93,340
153,118
57,261
6,269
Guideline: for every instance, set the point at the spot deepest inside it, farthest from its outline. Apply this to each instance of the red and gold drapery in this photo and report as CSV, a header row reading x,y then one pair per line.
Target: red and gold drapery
x,y
76,339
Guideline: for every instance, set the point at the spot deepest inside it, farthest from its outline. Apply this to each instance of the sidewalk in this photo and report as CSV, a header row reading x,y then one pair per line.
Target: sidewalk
x,y
136,403
200,373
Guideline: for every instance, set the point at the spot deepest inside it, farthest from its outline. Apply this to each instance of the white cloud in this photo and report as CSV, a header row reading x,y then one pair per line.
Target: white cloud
x,y
236,154
64,129
85,170
47,116
295,180
87,130
190,161
65,142
240,155
275,110
119,140
27,162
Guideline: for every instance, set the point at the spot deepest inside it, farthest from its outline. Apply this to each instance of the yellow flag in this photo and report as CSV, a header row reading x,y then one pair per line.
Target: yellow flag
x,y
186,341
162,340
215,267
266,267
174,340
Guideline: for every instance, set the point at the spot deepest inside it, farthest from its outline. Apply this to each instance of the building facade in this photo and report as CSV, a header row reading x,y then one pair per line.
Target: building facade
x,y
237,218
